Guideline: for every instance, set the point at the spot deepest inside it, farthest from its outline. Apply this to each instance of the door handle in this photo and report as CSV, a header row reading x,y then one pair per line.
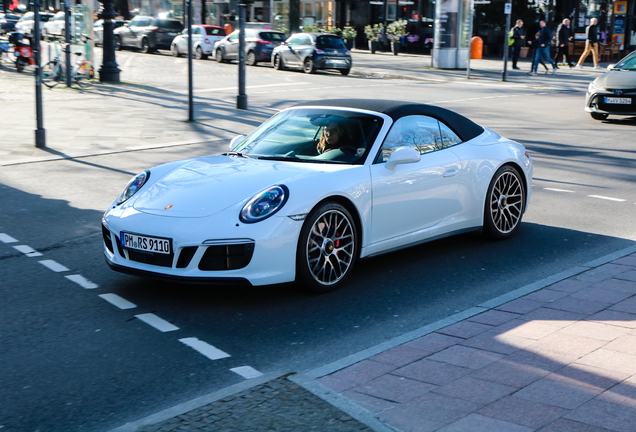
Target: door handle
x,y
451,173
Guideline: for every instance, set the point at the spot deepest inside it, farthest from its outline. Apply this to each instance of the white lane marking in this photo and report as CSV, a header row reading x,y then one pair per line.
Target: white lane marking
x,y
118,301
6,238
606,198
82,281
53,265
27,250
156,322
559,190
204,348
246,372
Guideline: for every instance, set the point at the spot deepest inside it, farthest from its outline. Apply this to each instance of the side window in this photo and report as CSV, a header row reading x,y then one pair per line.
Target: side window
x,y
307,41
449,138
296,40
134,22
234,36
419,132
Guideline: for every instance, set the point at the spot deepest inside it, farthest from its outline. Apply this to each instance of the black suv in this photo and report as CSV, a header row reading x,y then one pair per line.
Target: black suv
x,y
147,33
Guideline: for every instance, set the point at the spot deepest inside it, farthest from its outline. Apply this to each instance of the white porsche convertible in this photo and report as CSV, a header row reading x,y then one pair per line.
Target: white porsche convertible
x,y
315,188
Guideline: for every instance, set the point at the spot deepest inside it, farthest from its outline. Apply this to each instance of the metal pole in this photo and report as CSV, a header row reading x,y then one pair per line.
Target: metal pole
x,y
190,101
67,39
508,12
241,99
470,38
40,133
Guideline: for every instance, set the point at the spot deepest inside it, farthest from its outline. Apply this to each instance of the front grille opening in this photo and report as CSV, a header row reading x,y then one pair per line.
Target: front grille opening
x,y
227,257
186,256
163,260
107,240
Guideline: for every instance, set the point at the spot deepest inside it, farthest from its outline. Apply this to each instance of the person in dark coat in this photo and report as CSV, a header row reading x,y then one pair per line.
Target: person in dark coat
x,y
542,46
517,34
563,42
591,44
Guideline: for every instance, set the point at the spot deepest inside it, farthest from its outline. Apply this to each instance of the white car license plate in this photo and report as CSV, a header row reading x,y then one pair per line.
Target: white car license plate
x,y
171,34
338,62
616,100
145,243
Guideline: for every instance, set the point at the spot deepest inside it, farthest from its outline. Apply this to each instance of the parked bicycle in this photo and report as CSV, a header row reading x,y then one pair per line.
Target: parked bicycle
x,y
82,73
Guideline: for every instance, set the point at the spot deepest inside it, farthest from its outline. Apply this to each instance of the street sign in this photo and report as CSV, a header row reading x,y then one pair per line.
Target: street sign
x,y
508,8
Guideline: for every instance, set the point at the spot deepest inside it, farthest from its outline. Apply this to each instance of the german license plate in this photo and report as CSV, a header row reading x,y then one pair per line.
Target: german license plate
x,y
617,100
145,243
337,62
171,34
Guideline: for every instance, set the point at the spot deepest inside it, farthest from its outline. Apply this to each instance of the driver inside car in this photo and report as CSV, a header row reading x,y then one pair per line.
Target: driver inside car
x,y
338,135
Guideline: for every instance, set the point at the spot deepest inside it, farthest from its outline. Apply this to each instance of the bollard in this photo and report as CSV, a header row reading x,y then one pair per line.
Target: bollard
x,y
476,48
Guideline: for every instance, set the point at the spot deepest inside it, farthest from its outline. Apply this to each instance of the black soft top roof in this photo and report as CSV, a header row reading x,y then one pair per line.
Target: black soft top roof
x,y
465,128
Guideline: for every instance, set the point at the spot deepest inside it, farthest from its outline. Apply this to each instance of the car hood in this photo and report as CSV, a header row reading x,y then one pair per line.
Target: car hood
x,y
617,80
205,186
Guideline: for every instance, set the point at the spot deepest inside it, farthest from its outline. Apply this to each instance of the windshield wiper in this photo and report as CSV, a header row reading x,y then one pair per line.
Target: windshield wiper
x,y
282,158
239,154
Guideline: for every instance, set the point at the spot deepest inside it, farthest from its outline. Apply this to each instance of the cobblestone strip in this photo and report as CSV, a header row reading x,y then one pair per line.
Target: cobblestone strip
x,y
277,405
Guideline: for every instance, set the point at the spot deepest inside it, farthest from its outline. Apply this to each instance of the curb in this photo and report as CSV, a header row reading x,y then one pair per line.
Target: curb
x,y
307,380
193,404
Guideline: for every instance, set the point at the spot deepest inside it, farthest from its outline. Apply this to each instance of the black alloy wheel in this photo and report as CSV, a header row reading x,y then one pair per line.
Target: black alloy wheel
x,y
505,202
145,47
327,248
250,59
308,66
278,62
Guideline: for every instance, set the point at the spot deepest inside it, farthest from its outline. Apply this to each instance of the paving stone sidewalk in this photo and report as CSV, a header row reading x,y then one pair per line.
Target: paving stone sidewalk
x,y
562,358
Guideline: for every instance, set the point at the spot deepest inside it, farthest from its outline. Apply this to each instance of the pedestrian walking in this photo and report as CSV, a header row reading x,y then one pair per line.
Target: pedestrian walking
x,y
591,44
542,46
518,37
563,42
533,46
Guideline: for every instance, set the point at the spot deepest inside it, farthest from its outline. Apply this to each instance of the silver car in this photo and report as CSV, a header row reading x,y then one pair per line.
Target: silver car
x,y
614,92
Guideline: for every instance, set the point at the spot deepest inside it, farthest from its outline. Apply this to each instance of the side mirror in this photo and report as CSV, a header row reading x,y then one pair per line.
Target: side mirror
x,y
236,141
610,67
403,155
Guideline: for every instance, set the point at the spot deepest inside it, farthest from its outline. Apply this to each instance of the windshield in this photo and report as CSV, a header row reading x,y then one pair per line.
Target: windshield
x,y
628,63
271,36
314,135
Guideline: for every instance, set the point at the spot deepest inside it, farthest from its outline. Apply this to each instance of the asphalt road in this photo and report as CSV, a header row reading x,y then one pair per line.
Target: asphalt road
x,y
72,361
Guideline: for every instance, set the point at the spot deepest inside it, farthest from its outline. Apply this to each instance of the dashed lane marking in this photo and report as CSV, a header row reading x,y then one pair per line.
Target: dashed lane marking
x,y
82,281
118,301
204,348
27,250
53,265
606,198
246,372
159,323
559,190
6,238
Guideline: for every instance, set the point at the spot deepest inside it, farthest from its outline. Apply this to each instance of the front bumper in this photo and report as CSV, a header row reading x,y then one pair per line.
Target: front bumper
x,y
218,249
595,103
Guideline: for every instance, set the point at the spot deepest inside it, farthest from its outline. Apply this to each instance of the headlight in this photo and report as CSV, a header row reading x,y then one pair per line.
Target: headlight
x,y
133,186
593,88
264,204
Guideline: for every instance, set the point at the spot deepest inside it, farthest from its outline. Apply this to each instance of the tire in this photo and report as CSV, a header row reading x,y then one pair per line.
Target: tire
x,y
327,248
198,54
250,59
175,50
145,46
85,82
19,66
345,72
118,43
308,66
599,116
51,74
505,204
278,62
218,55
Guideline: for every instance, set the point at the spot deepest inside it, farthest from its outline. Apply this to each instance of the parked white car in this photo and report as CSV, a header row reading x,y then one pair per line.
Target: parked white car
x,y
54,26
26,23
203,39
98,29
